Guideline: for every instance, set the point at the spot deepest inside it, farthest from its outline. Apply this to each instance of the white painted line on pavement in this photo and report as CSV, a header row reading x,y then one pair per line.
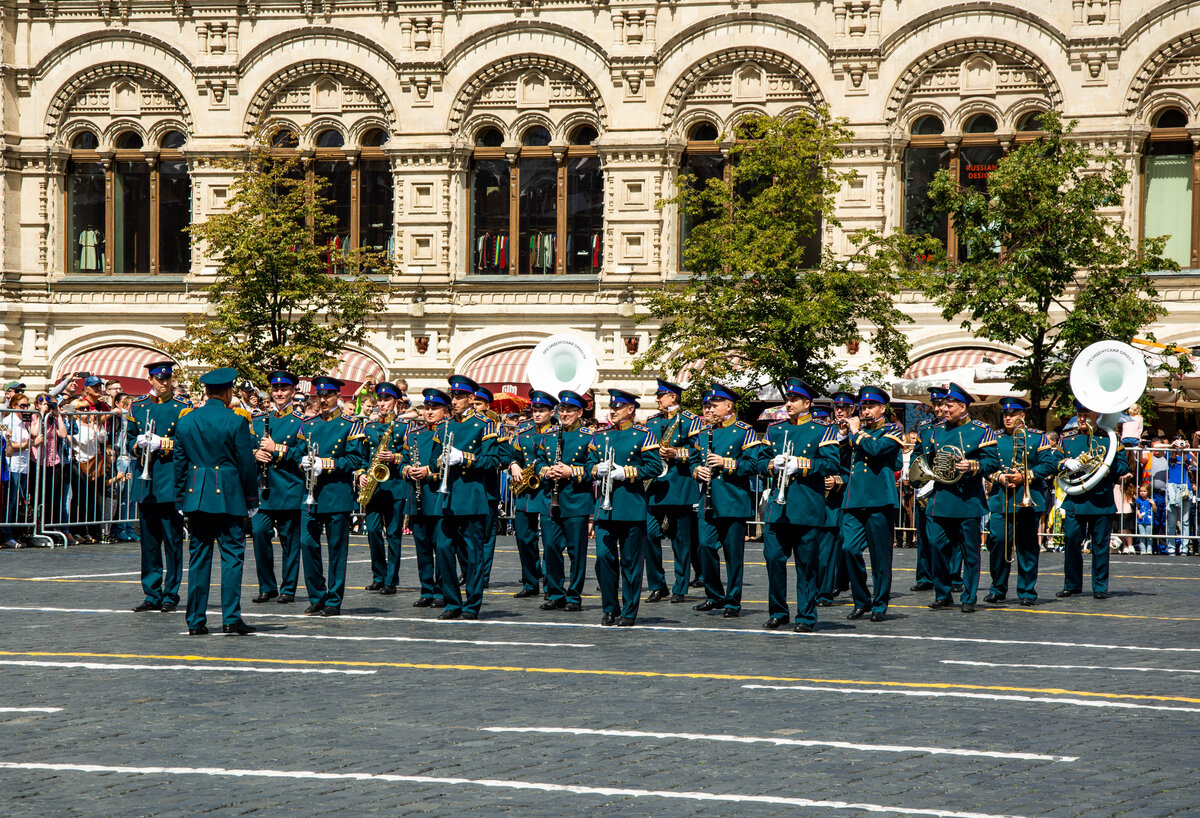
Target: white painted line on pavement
x,y
93,576
988,696
220,668
418,639
494,783
1068,667
783,742
30,709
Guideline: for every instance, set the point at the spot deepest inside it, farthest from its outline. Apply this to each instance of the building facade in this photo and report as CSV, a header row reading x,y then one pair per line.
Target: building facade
x,y
511,155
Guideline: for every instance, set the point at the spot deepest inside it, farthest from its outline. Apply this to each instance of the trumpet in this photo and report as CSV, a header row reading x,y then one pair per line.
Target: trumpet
x,y
610,459
444,486
310,474
780,499
147,454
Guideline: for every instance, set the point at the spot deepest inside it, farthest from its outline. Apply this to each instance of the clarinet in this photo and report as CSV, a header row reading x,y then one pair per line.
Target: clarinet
x,y
558,456
264,487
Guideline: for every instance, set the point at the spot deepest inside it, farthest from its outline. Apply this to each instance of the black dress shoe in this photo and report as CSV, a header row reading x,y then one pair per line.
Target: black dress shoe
x,y
267,597
526,592
469,615
1065,593
607,619
438,603
922,586
573,606
802,627
1026,601
706,605
423,602
331,612
313,610
147,606
696,583
387,590
200,631
284,599
730,613
824,603
941,603
993,598
553,606
857,613
1100,595
876,616
449,615
373,587
677,598
966,608
774,624
625,622
656,596
956,587
240,628
169,607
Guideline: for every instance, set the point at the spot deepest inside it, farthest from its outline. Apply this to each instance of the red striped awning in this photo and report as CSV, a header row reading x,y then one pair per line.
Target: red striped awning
x,y
953,359
353,369
112,362
502,371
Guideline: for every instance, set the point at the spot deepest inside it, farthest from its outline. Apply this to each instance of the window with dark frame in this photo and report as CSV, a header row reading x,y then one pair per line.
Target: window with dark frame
x,y
1170,197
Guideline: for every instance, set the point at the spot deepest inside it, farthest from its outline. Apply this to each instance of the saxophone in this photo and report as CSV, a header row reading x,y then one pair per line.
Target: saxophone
x,y
378,472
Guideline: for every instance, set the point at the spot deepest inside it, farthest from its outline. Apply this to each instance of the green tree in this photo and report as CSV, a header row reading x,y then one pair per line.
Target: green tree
x,y
1044,268
273,303
757,302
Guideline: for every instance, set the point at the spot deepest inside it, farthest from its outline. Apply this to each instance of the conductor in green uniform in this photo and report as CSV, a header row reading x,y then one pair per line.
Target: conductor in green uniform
x,y
281,490
385,509
673,495
217,485
333,452
629,456
151,434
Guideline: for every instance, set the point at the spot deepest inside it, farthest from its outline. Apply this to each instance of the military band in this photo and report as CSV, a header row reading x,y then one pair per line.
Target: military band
x,y
830,497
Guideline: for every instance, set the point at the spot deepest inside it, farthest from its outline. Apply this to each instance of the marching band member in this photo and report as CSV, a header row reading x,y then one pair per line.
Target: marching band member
x,y
337,441
161,523
673,495
481,404
470,453
631,456
534,501
724,455
954,510
925,430
565,458
1088,516
1025,460
386,506
832,573
871,503
425,504
282,491
216,501
805,453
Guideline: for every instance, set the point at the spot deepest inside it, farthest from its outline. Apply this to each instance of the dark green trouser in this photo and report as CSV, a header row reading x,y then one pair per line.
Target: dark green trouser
x,y
525,526
681,521
385,533
162,552
336,528
831,564
623,544
1020,540
723,536
569,534
950,536
262,527
781,540
1097,530
924,555
424,534
225,531
460,545
862,529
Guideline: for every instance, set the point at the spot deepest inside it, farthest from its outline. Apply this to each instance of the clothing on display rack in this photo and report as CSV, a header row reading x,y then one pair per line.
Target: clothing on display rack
x,y
491,253
91,252
541,253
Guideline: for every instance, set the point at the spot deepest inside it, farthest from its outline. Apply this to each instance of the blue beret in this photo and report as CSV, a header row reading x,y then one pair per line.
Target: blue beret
x,y
937,394
844,399
388,388
873,393
461,383
1013,405
569,398
621,396
956,392
161,369
219,378
795,386
539,398
280,376
667,386
484,394
435,397
327,384
720,392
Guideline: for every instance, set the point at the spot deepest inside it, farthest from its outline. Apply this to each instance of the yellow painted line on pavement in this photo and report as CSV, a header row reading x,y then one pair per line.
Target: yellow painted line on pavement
x,y
724,677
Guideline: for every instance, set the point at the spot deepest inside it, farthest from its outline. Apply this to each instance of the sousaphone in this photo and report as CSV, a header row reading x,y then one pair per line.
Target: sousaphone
x,y
562,362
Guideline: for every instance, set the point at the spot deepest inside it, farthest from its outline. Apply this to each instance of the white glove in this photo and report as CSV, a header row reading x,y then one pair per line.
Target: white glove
x,y
315,464
925,489
148,441
791,466
454,456
602,468
779,462
1071,464
666,470
618,473
252,512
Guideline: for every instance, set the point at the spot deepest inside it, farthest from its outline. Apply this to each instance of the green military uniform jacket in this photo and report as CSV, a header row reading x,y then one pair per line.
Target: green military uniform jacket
x,y
805,493
425,449
525,450
837,494
925,432
214,461
475,436
339,443
1041,458
284,487
636,449
579,451
676,487
964,498
1098,501
394,488
160,488
745,456
875,457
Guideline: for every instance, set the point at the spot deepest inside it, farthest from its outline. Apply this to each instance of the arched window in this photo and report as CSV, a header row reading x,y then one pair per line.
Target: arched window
x,y
1030,122
332,166
375,201
978,155
926,154
543,213
128,216
1169,206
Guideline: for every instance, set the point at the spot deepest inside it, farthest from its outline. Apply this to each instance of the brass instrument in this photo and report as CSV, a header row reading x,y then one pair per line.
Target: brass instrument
x,y
610,458
444,487
923,473
378,472
146,453
1026,494
1020,465
529,481
310,475
780,498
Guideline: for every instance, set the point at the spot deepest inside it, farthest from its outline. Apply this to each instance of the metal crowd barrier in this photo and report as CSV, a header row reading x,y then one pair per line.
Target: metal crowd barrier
x,y
66,477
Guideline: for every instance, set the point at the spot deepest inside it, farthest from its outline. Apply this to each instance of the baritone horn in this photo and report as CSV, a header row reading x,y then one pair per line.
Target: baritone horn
x,y
1107,377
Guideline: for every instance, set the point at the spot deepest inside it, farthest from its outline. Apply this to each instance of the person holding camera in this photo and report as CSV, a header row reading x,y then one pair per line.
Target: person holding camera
x,y
1181,486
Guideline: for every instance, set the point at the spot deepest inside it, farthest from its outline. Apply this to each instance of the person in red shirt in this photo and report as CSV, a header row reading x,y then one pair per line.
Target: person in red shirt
x,y
93,393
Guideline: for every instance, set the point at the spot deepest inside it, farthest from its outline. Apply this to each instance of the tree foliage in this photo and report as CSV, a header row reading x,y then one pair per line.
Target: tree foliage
x,y
758,303
1044,268
274,302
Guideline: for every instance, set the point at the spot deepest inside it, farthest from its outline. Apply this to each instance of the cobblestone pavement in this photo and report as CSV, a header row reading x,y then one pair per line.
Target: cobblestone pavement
x,y
1072,707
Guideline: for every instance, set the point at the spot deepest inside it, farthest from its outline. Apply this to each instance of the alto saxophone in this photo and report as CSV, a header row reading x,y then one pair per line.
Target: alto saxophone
x,y
378,472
